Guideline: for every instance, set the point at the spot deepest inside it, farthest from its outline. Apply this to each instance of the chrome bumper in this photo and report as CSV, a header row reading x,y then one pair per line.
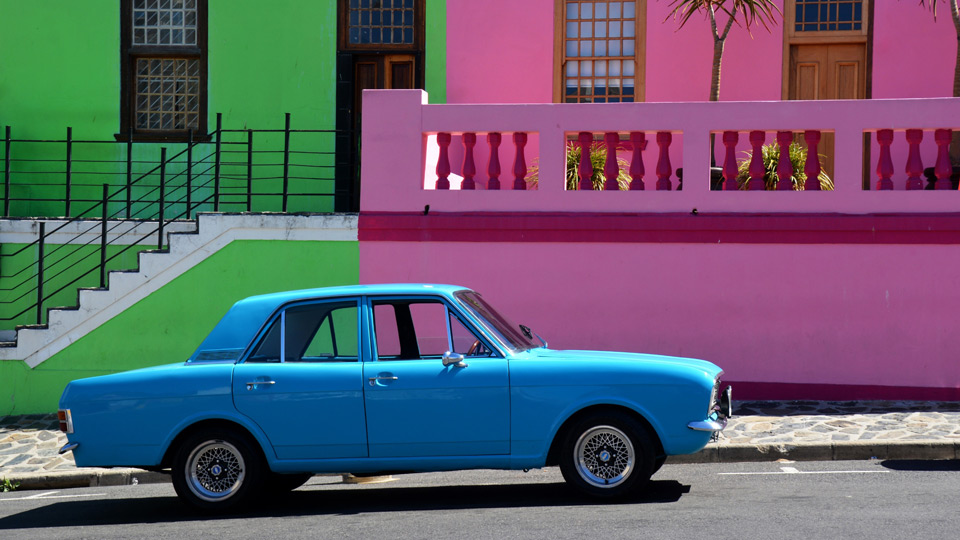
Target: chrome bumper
x,y
69,447
722,411
715,426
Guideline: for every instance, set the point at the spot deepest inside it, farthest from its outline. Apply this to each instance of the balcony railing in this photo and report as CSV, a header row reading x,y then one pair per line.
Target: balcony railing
x,y
468,158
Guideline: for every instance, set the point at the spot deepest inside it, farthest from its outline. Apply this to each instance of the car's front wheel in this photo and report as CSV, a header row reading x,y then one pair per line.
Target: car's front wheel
x,y
217,470
607,455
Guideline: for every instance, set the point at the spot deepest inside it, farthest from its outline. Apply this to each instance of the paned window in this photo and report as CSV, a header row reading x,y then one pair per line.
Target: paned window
x,y
828,15
163,72
601,51
374,22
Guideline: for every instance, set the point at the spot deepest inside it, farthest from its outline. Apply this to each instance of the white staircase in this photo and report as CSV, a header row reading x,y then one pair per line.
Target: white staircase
x,y
35,344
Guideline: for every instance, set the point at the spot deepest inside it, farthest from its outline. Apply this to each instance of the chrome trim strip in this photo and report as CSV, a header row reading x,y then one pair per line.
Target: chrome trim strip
x,y
69,447
708,425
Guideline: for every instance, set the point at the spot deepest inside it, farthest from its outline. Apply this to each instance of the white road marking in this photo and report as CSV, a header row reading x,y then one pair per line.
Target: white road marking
x,y
48,495
791,470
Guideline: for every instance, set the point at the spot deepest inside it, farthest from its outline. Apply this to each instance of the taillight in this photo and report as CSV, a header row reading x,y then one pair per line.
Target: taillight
x,y
66,420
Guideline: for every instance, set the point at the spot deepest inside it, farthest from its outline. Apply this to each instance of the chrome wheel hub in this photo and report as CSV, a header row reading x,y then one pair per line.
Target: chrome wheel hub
x,y
215,470
604,456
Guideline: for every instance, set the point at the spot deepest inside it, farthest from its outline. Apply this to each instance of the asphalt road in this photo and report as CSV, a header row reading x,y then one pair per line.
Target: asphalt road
x,y
839,499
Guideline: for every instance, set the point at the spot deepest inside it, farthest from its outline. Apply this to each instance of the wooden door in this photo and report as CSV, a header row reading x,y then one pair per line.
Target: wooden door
x,y
828,71
381,71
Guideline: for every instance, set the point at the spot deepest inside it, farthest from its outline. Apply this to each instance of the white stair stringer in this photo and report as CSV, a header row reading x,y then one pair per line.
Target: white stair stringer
x,y
214,232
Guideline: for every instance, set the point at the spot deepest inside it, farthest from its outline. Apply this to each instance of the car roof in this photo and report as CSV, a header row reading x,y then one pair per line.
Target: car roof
x,y
241,322
277,299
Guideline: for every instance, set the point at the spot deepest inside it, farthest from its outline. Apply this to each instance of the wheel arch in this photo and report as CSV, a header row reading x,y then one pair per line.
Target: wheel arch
x,y
209,424
553,454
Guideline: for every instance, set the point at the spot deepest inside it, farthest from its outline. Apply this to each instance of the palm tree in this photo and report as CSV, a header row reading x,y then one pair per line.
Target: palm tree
x,y
749,11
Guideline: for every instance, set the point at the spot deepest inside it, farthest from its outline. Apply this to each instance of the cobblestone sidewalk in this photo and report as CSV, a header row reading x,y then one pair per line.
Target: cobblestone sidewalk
x,y
759,431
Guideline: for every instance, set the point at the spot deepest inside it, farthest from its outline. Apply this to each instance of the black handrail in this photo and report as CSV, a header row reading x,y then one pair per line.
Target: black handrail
x,y
183,184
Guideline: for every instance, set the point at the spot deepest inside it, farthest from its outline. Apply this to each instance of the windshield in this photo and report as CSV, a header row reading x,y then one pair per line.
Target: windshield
x,y
511,334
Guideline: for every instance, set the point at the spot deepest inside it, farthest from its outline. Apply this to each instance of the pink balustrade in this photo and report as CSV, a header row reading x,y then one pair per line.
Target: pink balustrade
x,y
413,140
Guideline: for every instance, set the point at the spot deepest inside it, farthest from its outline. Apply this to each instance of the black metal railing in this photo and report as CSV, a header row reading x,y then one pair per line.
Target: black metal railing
x,y
228,170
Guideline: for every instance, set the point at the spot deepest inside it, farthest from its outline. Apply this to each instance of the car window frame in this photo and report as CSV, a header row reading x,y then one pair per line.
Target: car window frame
x,y
280,313
488,342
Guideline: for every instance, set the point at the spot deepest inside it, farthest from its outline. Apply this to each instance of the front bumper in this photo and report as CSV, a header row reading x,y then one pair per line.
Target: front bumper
x,y
722,410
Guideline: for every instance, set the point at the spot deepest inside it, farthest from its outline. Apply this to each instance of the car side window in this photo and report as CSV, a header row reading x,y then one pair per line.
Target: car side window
x,y
316,332
466,342
415,329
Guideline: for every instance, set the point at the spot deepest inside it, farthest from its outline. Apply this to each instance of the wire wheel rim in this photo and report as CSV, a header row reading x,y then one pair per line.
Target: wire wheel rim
x,y
215,470
604,456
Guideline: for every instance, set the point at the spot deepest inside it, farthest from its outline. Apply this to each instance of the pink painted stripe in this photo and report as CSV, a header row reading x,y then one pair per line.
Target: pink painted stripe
x,y
746,391
670,228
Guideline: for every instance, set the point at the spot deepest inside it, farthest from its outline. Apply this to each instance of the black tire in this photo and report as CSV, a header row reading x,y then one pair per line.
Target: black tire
x,y
283,483
658,463
608,455
217,470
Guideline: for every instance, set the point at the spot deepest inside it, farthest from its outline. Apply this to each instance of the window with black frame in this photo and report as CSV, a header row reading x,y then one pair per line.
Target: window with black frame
x,y
163,69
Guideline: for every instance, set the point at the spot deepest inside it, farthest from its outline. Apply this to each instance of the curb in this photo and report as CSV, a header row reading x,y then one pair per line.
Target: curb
x,y
87,478
848,450
728,453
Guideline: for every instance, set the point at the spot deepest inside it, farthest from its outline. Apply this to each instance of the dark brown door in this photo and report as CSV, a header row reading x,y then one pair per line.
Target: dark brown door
x,y
380,46
828,71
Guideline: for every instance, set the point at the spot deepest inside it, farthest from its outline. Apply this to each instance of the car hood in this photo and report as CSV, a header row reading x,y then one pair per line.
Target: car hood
x,y
653,360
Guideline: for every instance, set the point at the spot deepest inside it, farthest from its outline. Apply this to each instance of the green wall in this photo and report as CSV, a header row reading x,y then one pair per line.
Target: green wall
x,y
168,325
63,264
61,67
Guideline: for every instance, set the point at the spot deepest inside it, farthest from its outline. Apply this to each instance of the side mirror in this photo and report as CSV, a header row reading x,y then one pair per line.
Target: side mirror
x,y
454,359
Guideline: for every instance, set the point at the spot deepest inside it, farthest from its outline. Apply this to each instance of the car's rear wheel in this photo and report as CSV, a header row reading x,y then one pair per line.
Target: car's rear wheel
x,y
217,470
607,455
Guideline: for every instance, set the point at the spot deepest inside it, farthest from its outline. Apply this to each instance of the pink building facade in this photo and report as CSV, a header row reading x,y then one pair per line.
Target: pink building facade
x,y
839,294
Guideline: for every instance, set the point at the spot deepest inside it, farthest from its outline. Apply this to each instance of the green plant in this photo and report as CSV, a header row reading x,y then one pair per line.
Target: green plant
x,y
598,159
6,485
770,154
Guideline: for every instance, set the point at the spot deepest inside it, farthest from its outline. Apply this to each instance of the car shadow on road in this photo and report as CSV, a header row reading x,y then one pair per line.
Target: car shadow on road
x,y
331,502
939,465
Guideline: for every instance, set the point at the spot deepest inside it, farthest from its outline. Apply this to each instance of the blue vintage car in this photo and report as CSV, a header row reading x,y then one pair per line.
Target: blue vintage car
x,y
389,379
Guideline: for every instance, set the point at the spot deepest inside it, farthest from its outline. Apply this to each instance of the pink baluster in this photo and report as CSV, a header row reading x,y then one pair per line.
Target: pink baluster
x,y
585,168
639,141
493,165
443,164
943,169
784,167
664,169
812,166
469,168
757,169
611,168
730,139
519,163
885,164
914,163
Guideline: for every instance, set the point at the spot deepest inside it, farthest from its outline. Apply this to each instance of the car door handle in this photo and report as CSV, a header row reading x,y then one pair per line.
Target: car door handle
x,y
251,385
373,380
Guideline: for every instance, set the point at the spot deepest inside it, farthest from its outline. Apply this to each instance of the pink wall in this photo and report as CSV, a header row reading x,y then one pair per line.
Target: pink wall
x,y
913,56
802,314
501,51
394,164
812,288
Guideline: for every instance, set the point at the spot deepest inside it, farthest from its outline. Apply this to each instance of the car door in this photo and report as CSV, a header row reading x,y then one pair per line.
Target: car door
x,y
416,405
302,381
